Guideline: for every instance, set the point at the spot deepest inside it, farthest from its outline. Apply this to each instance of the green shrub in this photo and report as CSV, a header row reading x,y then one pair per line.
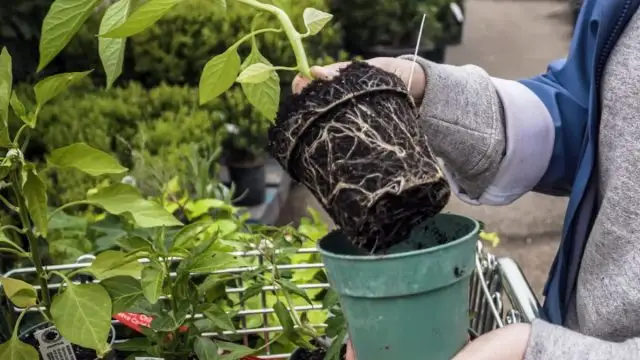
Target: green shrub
x,y
176,48
156,125
393,23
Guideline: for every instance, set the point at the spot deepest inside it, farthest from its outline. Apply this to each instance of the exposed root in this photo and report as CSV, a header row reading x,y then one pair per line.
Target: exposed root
x,y
356,143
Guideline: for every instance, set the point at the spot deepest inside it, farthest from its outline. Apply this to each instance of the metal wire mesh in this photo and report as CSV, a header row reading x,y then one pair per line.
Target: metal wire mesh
x,y
499,295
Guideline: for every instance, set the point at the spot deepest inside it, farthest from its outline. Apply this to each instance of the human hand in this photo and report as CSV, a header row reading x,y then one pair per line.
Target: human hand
x,y
400,67
508,343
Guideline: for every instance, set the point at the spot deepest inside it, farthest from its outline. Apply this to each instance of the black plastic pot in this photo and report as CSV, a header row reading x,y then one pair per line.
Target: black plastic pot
x,y
249,181
46,339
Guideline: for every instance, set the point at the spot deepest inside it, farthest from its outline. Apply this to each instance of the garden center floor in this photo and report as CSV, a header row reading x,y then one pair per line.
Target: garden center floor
x,y
510,39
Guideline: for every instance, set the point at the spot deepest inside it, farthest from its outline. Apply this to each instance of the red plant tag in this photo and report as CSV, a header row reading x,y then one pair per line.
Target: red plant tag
x,y
134,321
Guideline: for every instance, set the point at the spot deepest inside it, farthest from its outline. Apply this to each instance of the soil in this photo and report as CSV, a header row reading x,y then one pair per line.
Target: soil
x,y
319,354
356,143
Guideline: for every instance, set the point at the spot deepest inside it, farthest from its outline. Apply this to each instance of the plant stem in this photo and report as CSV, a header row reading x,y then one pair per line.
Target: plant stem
x,y
8,204
68,205
292,34
36,258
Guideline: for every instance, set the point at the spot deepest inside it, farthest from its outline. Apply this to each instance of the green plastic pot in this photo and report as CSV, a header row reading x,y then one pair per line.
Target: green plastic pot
x,y
413,301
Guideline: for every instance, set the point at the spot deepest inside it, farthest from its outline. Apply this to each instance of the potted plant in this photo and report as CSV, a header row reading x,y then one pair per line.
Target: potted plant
x,y
245,149
76,318
276,246
390,27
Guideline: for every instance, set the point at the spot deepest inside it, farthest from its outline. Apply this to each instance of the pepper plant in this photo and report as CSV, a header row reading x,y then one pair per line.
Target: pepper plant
x,y
125,18
82,313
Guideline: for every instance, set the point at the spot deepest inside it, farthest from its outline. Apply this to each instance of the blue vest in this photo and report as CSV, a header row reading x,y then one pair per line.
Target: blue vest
x,y
570,90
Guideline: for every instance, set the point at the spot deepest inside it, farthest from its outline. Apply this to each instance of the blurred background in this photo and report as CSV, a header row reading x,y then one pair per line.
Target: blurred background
x,y
152,122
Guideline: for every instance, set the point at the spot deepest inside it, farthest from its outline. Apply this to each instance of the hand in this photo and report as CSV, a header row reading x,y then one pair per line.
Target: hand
x,y
400,67
508,343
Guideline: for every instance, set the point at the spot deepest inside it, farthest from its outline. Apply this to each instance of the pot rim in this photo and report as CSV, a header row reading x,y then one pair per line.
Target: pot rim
x,y
368,257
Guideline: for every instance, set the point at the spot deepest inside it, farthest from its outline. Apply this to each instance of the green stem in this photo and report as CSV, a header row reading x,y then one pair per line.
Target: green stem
x,y
294,36
14,334
16,182
253,34
14,228
14,252
19,133
8,204
65,206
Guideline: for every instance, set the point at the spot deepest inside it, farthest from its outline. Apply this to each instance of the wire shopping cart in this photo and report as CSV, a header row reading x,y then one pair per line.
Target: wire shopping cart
x,y
499,295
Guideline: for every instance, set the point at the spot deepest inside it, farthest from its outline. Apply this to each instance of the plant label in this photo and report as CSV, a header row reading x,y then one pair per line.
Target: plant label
x,y
53,346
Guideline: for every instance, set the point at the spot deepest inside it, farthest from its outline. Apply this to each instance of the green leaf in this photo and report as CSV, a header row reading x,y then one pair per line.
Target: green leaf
x,y
293,288
133,345
134,244
123,199
19,292
52,86
6,84
164,322
219,317
152,281
125,292
86,159
224,227
35,195
111,51
213,287
331,299
255,73
113,263
333,353
315,20
264,96
211,261
219,74
235,351
205,349
62,22
221,4
142,18
251,291
19,108
82,314
284,317
187,237
14,349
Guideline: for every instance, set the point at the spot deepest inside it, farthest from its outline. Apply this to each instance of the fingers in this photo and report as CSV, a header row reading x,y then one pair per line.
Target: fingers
x,y
319,72
350,355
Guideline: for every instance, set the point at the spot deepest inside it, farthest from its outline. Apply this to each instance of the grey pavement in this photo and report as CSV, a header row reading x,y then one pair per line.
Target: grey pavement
x,y
510,39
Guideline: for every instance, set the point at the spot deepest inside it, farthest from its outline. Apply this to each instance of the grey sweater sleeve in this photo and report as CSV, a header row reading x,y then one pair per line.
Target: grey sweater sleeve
x,y
550,342
494,136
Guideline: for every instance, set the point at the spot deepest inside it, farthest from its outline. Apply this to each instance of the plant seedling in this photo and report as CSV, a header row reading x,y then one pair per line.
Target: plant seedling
x,y
125,18
276,245
80,312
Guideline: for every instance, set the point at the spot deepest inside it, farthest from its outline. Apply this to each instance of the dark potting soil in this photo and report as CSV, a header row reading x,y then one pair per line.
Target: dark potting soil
x,y
357,144
319,354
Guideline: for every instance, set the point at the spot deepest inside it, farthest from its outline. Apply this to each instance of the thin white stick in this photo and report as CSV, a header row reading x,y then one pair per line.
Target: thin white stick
x,y
415,54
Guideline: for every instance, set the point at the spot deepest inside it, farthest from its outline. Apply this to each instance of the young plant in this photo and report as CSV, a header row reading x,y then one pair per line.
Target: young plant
x,y
80,312
181,308
276,246
125,18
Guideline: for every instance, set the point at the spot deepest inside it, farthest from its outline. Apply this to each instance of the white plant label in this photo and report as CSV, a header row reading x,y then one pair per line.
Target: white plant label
x,y
53,346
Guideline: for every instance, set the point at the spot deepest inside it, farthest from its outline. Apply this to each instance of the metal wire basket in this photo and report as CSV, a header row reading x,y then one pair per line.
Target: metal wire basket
x,y
499,295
